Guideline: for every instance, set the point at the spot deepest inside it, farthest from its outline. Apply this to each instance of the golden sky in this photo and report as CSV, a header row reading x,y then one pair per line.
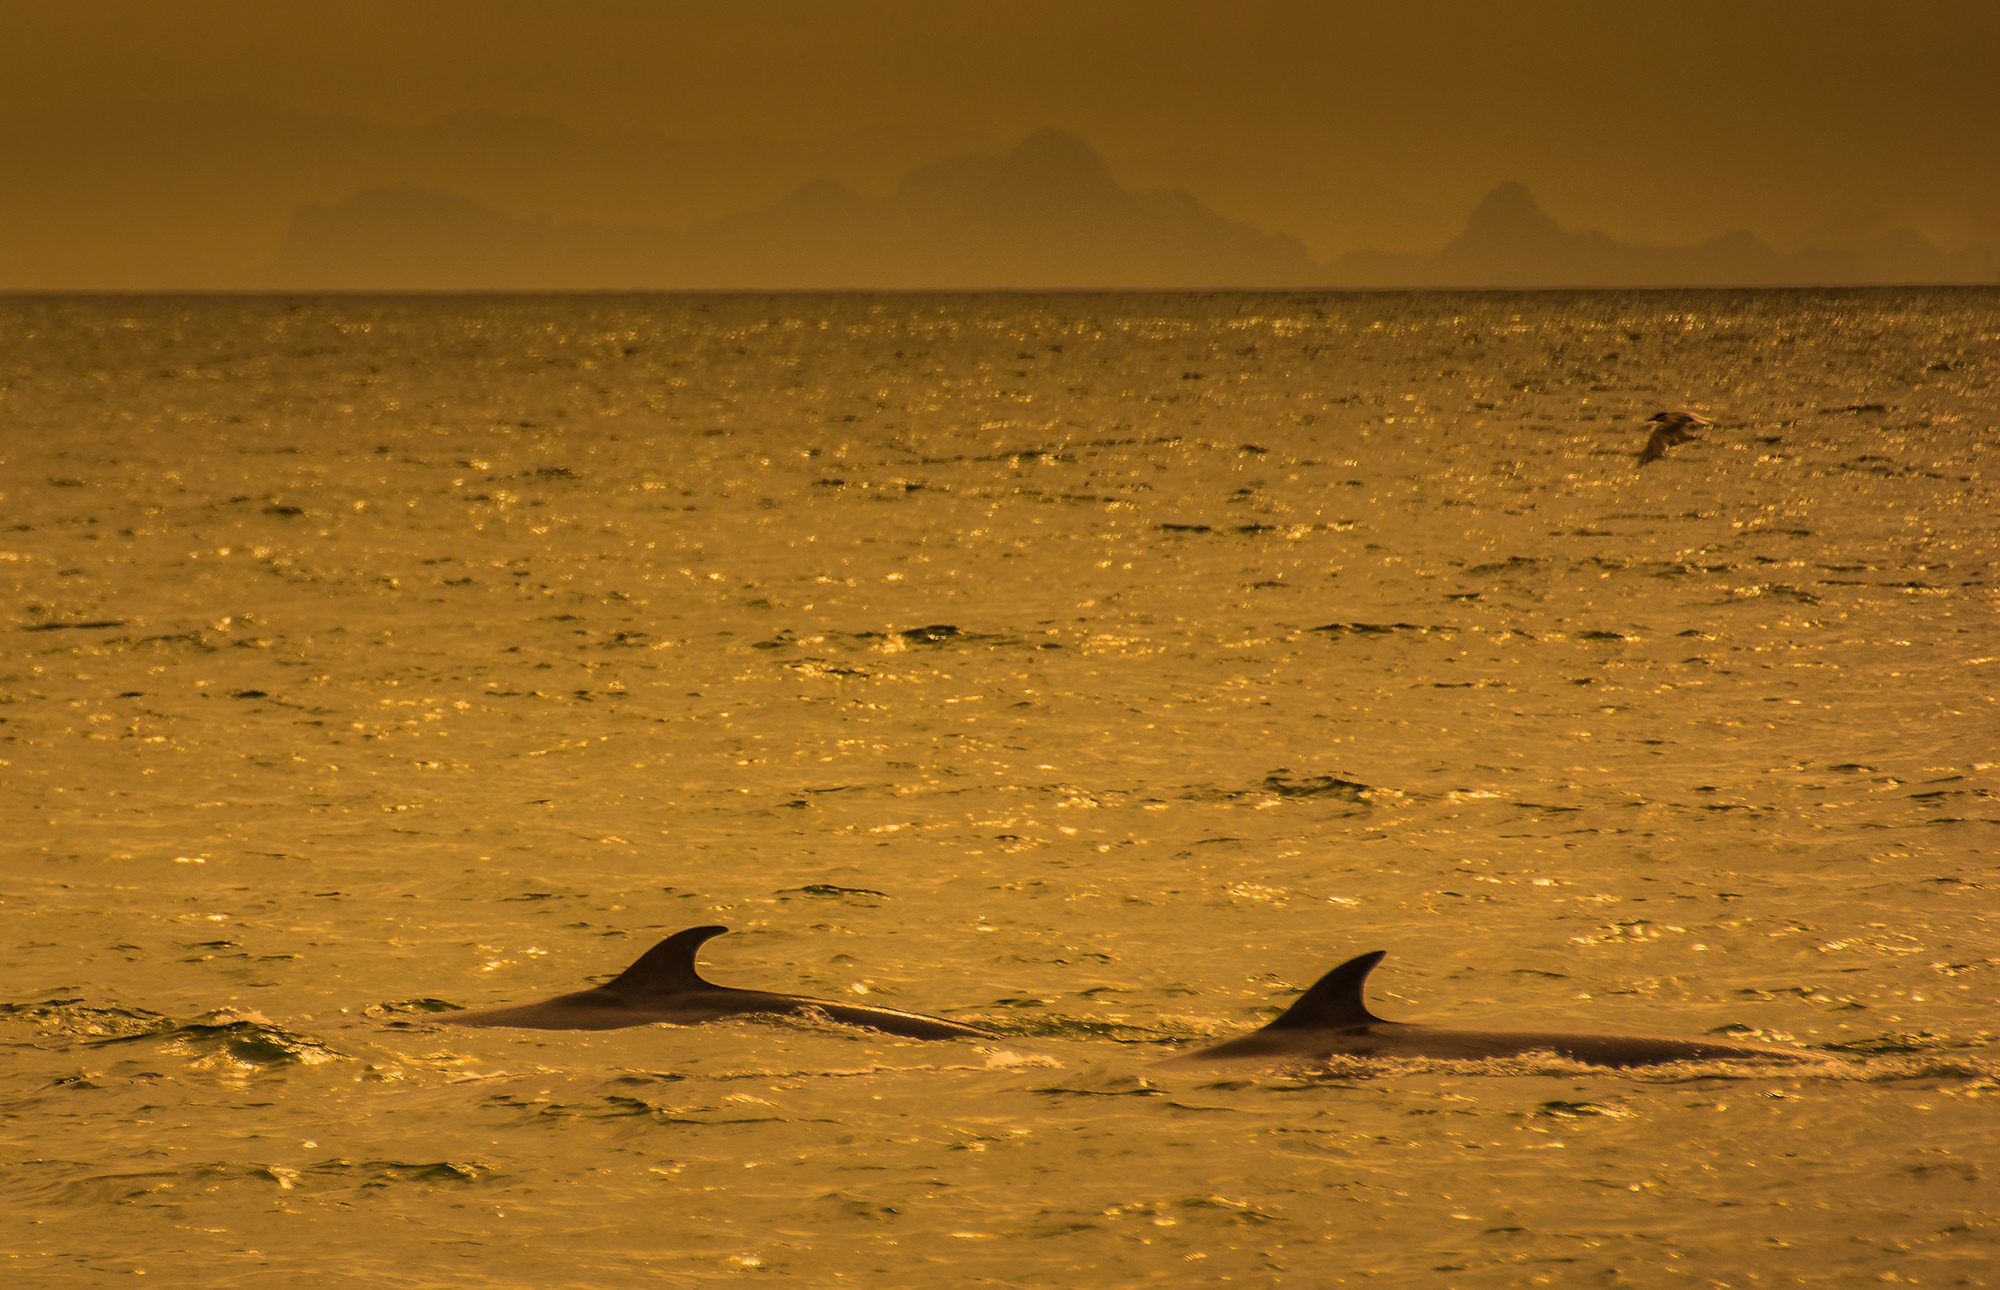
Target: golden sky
x,y
161,144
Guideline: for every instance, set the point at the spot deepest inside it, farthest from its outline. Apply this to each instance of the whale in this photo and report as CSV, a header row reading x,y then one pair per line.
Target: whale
x,y
1331,1020
663,987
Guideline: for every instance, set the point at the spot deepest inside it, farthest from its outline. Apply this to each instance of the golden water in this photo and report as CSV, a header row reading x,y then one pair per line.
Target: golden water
x,y
1100,669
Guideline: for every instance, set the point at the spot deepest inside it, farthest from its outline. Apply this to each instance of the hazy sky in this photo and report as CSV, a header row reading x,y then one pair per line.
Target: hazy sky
x,y
1346,125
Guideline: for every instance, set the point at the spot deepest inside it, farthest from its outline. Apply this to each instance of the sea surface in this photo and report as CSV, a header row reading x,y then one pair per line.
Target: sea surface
x,y
1099,669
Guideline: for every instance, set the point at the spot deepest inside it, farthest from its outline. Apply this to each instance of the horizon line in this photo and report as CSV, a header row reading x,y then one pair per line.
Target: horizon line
x,y
1345,290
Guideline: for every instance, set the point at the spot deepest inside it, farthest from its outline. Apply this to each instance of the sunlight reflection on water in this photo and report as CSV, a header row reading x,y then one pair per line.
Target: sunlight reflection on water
x,y
1098,668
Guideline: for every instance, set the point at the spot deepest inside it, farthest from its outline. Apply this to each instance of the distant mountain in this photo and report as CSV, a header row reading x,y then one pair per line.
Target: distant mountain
x,y
407,234
1048,213
1510,241
229,193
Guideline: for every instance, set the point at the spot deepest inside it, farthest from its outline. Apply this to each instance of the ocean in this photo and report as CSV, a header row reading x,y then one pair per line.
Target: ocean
x,y
1099,669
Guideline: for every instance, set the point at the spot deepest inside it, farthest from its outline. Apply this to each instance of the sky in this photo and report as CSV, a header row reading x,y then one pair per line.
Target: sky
x,y
156,145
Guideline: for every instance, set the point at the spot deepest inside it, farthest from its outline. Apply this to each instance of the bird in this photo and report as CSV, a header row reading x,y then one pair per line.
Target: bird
x,y
1670,428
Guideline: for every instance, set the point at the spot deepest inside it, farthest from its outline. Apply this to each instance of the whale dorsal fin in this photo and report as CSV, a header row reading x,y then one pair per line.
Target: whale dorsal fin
x,y
667,968
1334,1001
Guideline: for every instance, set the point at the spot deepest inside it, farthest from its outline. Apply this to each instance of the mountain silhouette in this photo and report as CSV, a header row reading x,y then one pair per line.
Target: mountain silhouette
x,y
1509,241
1046,214
225,193
198,193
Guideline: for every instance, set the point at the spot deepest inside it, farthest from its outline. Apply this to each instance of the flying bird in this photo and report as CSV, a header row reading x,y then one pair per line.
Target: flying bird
x,y
1670,428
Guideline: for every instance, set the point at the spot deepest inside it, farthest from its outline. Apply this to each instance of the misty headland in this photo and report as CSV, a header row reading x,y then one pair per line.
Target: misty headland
x,y
302,203
1047,214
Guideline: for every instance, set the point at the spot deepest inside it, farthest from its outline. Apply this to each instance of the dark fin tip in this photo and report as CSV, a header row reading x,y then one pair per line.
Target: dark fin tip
x,y
1334,1001
667,968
